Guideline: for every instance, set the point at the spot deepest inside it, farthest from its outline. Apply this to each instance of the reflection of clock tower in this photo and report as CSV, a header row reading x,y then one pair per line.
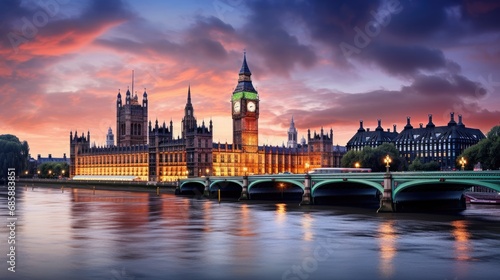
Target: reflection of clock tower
x,y
245,109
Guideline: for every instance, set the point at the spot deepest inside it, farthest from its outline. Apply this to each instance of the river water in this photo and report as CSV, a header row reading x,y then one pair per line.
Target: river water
x,y
76,234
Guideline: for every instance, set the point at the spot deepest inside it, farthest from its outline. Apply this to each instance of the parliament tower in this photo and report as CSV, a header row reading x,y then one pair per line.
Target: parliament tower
x,y
131,120
245,112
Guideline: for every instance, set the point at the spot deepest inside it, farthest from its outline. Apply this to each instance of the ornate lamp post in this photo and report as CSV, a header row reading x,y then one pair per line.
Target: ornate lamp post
x,y
307,167
387,161
245,170
463,162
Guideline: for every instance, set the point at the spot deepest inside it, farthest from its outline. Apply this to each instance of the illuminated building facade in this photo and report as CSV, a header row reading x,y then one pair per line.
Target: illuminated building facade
x,y
442,144
152,153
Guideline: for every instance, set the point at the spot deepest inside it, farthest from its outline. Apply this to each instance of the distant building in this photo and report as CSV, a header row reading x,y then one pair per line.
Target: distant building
x,y
40,159
110,138
151,152
442,144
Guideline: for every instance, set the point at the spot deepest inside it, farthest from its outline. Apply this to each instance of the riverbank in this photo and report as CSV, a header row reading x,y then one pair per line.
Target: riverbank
x,y
98,185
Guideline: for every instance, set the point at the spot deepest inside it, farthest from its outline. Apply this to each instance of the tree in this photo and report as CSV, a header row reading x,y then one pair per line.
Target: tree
x,y
417,165
350,159
13,154
374,158
53,169
486,152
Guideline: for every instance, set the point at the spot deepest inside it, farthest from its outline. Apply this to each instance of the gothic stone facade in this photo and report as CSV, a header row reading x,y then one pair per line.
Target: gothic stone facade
x,y
152,153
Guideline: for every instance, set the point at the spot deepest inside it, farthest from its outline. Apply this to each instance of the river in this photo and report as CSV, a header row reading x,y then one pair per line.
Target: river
x,y
79,234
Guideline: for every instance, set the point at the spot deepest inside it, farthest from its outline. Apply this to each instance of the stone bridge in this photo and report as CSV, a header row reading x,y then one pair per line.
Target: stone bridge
x,y
394,191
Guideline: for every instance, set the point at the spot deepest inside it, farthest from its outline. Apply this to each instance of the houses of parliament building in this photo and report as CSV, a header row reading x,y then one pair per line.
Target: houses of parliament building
x,y
151,152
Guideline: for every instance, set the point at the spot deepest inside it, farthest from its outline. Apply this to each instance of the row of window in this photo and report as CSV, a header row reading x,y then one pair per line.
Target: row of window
x,y
112,159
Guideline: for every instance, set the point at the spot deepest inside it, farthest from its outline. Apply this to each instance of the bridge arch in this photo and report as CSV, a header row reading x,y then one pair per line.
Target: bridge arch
x,y
410,184
373,184
294,182
217,182
195,186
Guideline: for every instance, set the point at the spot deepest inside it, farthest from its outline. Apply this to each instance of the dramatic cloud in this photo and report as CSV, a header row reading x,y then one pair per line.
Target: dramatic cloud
x,y
326,63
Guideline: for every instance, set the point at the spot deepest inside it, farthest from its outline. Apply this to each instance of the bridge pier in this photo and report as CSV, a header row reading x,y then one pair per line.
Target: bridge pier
x,y
386,203
206,191
244,190
306,197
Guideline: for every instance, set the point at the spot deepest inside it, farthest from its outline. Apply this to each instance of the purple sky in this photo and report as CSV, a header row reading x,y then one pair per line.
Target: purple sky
x,y
326,63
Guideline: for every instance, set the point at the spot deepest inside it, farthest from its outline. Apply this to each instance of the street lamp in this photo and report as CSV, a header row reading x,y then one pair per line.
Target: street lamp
x,y
282,187
63,171
307,167
206,171
463,162
387,161
245,170
50,173
356,165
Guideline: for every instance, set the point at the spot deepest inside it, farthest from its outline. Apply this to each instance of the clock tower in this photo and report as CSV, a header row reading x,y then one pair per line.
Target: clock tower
x,y
245,112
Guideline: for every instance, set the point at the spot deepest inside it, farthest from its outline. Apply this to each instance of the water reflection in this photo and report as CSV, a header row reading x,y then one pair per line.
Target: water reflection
x,y
306,222
387,242
462,243
280,213
79,235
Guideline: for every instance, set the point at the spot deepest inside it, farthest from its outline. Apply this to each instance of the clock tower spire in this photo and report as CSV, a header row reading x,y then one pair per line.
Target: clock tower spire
x,y
245,111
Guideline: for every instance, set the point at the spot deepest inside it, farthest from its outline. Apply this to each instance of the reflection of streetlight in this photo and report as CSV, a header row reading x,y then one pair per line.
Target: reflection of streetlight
x,y
356,165
387,161
463,162
307,167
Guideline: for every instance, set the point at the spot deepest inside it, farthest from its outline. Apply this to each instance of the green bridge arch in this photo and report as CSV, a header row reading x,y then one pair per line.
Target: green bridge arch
x,y
406,185
297,183
237,182
373,184
201,182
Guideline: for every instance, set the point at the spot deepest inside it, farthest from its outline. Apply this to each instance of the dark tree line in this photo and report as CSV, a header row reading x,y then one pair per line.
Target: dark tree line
x,y
53,170
13,154
486,152
374,158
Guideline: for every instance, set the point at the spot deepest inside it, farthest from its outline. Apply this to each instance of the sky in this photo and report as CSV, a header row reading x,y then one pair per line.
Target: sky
x,y
328,64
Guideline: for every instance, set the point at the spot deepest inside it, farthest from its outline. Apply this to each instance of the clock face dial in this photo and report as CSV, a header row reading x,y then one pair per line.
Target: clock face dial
x,y
251,106
236,107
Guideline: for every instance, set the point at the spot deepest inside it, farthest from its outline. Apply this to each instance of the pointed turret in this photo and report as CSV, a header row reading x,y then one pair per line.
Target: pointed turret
x,y
430,124
127,96
408,124
119,99
189,121
361,128
379,125
452,119
292,135
245,81
244,67
145,98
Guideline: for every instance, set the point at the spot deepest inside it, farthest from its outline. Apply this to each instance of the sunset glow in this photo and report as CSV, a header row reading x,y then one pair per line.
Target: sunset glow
x,y
326,63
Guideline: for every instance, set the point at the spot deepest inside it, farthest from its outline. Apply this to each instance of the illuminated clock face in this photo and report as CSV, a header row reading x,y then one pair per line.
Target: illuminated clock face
x,y
251,106
236,107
